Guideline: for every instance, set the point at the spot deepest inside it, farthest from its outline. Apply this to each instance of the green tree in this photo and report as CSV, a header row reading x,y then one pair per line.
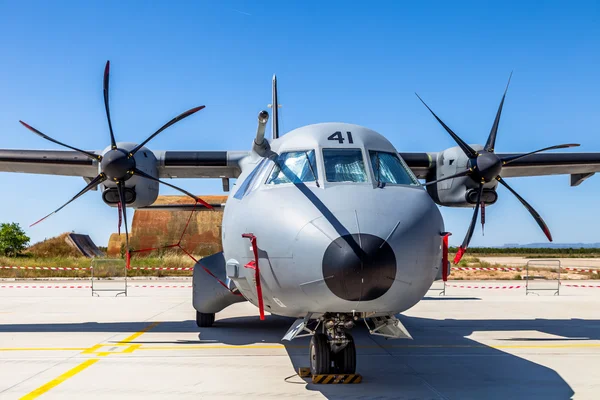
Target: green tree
x,y
13,239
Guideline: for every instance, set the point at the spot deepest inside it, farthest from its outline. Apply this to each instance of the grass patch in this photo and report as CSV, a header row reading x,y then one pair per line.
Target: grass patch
x,y
168,260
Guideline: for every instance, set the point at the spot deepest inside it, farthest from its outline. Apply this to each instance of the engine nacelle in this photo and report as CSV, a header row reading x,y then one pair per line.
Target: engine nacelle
x,y
139,191
458,192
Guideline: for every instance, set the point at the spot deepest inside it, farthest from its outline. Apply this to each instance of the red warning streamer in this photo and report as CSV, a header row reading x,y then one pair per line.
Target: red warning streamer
x,y
254,265
445,268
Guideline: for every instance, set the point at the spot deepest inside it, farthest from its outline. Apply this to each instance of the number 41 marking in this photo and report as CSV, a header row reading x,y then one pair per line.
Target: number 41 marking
x,y
340,137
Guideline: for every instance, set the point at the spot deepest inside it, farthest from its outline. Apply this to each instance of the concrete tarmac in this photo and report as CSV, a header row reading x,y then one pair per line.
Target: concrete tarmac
x,y
473,343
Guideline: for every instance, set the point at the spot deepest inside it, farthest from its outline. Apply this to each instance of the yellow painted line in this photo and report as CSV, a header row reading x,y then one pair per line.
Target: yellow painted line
x,y
140,333
424,346
211,347
57,381
91,350
42,348
134,347
509,346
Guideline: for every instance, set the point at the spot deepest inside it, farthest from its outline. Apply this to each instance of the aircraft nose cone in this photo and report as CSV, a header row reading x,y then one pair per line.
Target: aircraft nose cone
x,y
359,267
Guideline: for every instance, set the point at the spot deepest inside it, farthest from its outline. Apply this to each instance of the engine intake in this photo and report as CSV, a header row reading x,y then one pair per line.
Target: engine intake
x,y
111,196
489,196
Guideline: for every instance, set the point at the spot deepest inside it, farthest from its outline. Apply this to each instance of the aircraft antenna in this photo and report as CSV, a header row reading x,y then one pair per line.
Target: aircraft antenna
x,y
274,112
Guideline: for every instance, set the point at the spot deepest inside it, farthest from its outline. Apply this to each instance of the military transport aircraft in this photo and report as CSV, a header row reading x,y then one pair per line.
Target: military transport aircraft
x,y
328,223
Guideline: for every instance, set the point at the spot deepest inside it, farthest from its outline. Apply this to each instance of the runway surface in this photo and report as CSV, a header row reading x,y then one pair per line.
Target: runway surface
x,y
470,344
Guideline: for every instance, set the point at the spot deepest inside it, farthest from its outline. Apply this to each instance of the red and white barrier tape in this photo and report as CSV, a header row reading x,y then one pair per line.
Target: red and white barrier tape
x,y
89,286
45,286
505,269
486,269
596,271
165,268
160,286
48,268
580,286
87,268
484,287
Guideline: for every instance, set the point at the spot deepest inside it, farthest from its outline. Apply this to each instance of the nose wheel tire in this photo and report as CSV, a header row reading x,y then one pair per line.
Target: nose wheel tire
x,y
345,360
205,320
320,355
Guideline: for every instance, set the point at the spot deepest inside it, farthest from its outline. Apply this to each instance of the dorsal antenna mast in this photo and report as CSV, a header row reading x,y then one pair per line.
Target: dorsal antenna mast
x,y
274,110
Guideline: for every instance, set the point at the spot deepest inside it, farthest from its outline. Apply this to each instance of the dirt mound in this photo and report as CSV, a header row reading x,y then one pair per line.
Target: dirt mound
x,y
156,228
54,247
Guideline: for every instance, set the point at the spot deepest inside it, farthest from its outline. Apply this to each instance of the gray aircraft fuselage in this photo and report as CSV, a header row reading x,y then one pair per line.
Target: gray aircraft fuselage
x,y
336,246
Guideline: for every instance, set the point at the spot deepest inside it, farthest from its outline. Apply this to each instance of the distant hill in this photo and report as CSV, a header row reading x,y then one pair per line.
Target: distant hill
x,y
551,246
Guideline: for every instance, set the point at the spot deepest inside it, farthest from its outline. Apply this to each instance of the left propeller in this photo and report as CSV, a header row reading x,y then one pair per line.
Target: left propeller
x,y
485,166
117,164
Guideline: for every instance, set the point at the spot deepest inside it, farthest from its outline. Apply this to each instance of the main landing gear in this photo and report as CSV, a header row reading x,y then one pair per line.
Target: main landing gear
x,y
205,320
332,351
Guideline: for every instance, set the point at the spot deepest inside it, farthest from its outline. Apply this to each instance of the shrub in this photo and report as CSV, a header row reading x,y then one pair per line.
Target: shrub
x,y
13,239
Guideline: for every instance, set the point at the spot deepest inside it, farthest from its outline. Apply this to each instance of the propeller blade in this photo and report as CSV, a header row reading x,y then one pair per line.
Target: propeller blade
x,y
96,181
491,141
87,153
508,160
113,143
145,175
121,190
165,126
463,173
464,146
469,235
531,210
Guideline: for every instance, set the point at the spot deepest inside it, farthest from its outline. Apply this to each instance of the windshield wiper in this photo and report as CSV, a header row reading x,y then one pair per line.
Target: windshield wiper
x,y
312,171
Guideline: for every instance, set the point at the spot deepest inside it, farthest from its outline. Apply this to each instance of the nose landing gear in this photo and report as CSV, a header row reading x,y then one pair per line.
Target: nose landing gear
x,y
333,351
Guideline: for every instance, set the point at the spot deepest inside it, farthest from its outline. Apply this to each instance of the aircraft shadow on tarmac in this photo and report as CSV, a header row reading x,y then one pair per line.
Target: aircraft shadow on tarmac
x,y
441,362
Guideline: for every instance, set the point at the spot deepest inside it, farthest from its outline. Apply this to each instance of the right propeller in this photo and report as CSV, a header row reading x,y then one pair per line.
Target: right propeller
x,y
485,166
117,164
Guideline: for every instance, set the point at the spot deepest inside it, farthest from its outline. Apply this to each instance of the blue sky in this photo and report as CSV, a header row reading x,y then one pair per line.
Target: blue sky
x,y
336,61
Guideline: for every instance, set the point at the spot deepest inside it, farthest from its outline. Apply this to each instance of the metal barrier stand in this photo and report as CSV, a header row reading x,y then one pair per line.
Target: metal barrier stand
x,y
442,289
530,289
114,279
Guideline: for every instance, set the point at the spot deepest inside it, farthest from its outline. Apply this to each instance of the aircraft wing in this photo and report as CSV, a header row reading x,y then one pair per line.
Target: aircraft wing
x,y
579,165
171,164
225,164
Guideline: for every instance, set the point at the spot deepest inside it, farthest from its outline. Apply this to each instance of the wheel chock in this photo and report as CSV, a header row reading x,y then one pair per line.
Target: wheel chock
x,y
330,378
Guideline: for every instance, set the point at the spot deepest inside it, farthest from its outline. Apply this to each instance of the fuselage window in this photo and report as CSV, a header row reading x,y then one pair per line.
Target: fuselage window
x,y
294,167
344,165
389,169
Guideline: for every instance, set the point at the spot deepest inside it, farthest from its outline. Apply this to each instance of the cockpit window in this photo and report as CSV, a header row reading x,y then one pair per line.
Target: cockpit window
x,y
294,167
344,165
388,168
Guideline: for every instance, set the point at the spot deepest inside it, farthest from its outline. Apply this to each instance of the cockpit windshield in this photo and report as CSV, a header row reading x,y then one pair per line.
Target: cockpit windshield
x,y
294,167
344,165
389,169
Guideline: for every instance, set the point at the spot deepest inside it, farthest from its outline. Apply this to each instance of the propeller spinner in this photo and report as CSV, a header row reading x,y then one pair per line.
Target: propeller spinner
x,y
485,166
118,165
